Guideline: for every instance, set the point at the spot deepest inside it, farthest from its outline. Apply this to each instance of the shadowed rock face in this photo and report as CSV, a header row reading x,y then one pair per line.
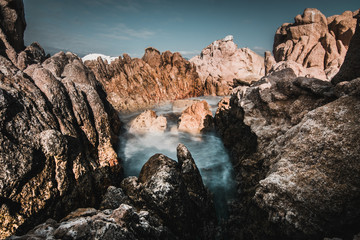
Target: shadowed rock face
x,y
300,177
316,42
12,24
133,84
57,131
351,67
174,191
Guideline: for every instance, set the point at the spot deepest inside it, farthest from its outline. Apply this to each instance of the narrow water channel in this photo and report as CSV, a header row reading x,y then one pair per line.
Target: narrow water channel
x,y
207,150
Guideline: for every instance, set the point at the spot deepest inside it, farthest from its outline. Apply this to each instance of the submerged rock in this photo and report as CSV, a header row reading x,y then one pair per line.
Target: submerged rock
x,y
148,121
196,118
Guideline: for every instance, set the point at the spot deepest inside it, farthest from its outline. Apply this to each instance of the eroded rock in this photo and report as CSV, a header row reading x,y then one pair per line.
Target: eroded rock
x,y
175,192
133,84
316,42
196,118
221,62
296,160
148,121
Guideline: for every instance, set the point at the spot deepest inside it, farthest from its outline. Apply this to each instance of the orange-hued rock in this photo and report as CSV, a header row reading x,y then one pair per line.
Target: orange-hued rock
x,y
315,41
133,84
222,61
196,118
148,121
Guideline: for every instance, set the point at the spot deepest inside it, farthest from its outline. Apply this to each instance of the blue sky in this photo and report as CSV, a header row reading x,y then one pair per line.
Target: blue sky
x,y
114,27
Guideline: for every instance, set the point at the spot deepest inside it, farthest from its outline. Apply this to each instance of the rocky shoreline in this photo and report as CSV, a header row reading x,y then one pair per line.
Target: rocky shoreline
x,y
297,159
293,137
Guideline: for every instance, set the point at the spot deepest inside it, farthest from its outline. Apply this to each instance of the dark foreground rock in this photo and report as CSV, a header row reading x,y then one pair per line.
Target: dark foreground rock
x,y
57,131
175,192
167,201
295,149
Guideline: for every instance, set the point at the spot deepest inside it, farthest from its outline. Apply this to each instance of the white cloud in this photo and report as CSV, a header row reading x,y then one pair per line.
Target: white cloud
x,y
123,32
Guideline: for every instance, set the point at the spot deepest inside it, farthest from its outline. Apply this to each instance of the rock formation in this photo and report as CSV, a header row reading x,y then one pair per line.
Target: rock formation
x,y
167,201
148,121
294,143
175,192
57,131
351,67
316,42
196,118
133,84
221,62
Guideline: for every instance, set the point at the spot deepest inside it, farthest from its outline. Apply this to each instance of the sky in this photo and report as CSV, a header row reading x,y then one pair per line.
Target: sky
x,y
114,27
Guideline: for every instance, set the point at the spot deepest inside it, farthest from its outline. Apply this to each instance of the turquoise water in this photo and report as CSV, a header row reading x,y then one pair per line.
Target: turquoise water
x,y
207,150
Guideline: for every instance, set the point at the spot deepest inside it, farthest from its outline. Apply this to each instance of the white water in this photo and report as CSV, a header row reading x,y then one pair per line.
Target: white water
x,y
207,150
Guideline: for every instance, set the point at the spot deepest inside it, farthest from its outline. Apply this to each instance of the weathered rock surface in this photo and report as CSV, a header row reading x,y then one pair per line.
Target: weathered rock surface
x,y
351,67
196,118
174,191
57,136
315,41
148,121
133,84
123,222
295,151
167,201
221,62
12,24
57,131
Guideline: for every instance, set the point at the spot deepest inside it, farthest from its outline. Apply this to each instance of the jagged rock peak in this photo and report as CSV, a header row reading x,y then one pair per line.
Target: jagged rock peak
x,y
222,61
318,43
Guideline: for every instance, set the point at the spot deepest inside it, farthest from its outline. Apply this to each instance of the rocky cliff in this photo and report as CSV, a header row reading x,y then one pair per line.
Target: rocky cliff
x,y
315,42
133,84
222,61
57,131
294,142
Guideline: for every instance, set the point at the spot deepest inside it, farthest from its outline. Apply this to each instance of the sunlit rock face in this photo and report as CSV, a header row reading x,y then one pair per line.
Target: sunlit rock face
x,y
222,61
196,118
317,43
133,84
57,131
300,176
148,121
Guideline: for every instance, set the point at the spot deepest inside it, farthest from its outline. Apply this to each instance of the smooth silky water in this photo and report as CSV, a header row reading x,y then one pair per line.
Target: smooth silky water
x,y
207,150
